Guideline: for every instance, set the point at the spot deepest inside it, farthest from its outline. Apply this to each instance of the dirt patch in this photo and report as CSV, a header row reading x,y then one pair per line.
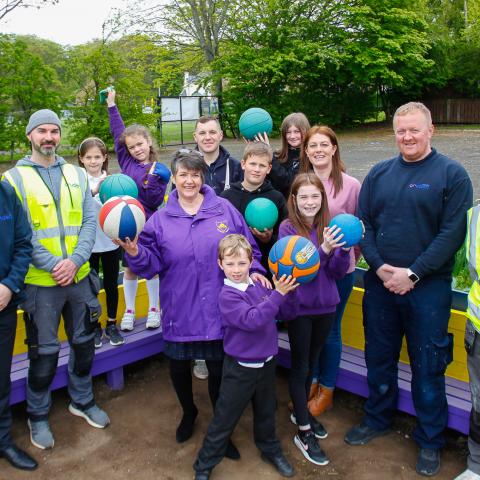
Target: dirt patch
x,y
140,442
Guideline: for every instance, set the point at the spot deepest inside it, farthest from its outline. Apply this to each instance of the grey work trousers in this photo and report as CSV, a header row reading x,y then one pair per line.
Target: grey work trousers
x,y
46,305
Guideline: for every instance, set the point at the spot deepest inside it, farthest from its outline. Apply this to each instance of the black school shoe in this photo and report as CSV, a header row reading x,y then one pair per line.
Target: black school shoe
x,y
428,462
203,475
281,464
18,458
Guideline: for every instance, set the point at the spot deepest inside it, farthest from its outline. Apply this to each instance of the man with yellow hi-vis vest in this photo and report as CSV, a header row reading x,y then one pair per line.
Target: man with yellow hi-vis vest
x,y
57,200
472,343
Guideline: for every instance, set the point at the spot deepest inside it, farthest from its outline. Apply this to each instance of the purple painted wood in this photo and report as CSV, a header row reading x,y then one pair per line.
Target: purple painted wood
x,y
139,344
352,377
115,379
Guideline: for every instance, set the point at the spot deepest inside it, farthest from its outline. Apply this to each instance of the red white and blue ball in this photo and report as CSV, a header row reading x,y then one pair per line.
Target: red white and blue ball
x,y
351,227
296,256
122,217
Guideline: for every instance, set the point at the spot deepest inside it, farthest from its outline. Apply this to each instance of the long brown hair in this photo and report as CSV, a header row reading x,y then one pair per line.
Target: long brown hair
x,y
322,217
89,143
297,119
136,129
337,164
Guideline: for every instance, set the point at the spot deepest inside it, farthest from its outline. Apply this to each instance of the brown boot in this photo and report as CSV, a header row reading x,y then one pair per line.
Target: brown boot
x,y
311,395
322,401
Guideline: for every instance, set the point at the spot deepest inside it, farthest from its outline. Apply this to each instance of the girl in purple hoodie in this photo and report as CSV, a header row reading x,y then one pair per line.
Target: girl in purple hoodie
x,y
138,158
308,216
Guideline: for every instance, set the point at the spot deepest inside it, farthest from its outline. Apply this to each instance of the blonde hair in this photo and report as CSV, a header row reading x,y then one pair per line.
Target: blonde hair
x,y
233,244
258,149
412,107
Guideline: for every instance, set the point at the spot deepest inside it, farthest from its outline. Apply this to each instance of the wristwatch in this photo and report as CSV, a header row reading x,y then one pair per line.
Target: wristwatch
x,y
412,276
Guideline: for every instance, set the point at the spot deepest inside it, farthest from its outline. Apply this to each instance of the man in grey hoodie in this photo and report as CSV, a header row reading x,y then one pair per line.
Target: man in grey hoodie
x,y
58,203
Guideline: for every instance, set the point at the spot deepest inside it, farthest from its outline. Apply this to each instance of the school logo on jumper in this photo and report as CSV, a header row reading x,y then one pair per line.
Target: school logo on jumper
x,y
305,253
222,226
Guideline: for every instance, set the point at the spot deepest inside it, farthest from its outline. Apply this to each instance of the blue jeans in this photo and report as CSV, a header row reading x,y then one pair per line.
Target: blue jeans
x,y
326,370
422,316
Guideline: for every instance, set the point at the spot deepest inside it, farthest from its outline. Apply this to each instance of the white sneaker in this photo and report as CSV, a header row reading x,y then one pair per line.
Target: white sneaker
x,y
200,370
128,320
154,319
468,475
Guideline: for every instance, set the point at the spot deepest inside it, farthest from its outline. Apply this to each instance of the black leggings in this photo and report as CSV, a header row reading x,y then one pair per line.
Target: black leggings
x,y
307,335
111,266
181,376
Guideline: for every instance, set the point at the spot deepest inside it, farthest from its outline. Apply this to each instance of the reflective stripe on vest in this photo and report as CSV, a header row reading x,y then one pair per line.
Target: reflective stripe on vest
x,y
472,246
55,223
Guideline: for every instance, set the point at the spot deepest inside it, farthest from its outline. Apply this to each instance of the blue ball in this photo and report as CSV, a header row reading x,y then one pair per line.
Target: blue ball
x,y
254,121
351,227
294,255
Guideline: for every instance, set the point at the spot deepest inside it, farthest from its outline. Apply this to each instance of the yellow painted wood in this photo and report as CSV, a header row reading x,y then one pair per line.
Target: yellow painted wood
x,y
141,309
352,334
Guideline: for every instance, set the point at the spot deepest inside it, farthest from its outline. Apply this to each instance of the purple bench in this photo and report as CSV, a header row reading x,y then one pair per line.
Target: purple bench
x,y
352,377
139,344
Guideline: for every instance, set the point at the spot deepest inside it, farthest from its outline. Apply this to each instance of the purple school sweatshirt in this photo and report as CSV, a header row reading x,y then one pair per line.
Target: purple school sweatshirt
x,y
182,249
151,189
249,319
320,295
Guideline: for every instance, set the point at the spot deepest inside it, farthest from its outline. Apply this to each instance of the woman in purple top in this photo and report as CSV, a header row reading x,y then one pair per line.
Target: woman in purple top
x,y
138,158
308,216
179,243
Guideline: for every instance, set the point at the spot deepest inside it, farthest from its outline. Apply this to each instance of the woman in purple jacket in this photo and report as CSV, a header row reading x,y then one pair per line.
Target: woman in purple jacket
x,y
179,243
308,216
138,158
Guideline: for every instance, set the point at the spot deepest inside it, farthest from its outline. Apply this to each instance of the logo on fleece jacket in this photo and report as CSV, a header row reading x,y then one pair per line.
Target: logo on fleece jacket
x,y
222,226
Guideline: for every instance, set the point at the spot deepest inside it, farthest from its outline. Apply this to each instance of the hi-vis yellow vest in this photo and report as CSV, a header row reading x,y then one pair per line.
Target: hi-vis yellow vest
x,y
55,227
473,257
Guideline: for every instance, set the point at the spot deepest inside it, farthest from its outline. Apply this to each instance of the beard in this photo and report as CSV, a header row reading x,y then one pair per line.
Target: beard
x,y
45,149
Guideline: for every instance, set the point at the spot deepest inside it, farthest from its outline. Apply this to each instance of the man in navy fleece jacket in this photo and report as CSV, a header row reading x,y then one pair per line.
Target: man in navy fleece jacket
x,y
414,210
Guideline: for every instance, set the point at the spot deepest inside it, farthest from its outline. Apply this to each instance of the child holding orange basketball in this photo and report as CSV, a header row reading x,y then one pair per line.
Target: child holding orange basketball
x,y
248,311
317,300
138,158
93,156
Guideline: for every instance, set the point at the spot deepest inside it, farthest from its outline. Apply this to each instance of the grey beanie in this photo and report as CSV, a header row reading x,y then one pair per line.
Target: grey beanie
x,y
42,117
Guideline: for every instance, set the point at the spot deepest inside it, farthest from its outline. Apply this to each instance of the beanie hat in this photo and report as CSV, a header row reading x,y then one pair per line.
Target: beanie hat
x,y
42,117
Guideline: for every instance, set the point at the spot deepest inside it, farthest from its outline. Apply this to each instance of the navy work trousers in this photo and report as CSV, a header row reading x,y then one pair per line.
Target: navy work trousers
x,y
422,316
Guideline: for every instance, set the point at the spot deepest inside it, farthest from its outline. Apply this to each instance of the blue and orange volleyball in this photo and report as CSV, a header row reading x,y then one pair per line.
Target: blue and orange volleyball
x,y
117,185
294,255
122,217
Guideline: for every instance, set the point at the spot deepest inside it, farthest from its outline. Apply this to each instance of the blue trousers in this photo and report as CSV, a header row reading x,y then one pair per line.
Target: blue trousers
x,y
8,327
422,316
326,370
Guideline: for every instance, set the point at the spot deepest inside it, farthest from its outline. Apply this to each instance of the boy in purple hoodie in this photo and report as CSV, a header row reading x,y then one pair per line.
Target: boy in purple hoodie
x,y
248,312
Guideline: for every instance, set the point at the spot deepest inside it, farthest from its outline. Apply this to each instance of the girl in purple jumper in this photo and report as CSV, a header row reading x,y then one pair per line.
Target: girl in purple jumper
x,y
138,158
308,216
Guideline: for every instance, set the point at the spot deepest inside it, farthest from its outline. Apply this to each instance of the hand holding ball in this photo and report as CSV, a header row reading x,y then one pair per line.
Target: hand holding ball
x,y
122,217
350,226
296,256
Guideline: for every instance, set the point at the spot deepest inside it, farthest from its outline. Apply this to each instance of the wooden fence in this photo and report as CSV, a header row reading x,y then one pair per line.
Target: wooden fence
x,y
458,110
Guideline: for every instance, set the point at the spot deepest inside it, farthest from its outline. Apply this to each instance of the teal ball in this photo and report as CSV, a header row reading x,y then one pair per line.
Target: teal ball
x,y
117,185
261,213
254,121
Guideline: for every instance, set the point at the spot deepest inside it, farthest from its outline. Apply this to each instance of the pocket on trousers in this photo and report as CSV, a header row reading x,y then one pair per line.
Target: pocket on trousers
x,y
92,317
440,354
94,281
470,335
